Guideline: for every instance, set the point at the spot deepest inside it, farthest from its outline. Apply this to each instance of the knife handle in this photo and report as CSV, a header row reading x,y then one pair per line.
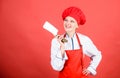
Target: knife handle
x,y
64,40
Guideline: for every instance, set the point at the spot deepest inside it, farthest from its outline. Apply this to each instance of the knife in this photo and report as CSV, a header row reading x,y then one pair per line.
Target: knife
x,y
52,29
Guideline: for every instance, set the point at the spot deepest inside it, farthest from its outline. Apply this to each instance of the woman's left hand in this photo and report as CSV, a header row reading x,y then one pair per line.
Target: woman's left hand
x,y
85,72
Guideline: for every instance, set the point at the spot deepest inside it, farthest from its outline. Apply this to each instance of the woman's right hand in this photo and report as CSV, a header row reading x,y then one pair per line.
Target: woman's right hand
x,y
59,38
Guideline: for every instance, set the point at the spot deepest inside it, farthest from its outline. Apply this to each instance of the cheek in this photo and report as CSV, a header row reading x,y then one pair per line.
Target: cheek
x,y
64,24
76,26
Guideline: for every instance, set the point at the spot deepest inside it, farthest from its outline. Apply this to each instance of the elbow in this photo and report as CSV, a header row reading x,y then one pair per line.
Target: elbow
x,y
56,67
100,56
97,57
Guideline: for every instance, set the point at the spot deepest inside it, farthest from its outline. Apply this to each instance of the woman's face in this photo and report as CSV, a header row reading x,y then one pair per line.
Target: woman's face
x,y
70,24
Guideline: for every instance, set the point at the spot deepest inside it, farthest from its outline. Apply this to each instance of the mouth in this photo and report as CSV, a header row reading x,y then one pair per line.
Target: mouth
x,y
68,26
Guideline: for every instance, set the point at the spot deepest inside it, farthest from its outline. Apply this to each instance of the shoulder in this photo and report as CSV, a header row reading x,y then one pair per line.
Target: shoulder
x,y
54,41
84,38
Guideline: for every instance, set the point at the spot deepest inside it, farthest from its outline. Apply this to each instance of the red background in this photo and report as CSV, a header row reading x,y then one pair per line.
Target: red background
x,y
25,45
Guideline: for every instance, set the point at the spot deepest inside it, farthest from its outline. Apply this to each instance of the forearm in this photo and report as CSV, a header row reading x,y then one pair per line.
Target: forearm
x,y
58,55
62,49
94,63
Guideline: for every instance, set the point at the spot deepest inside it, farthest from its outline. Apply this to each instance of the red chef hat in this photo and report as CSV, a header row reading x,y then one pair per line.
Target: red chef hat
x,y
76,13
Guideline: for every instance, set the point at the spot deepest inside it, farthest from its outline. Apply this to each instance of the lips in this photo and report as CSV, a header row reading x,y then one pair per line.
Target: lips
x,y
68,26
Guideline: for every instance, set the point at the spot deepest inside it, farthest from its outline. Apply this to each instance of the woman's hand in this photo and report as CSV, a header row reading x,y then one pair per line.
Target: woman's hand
x,y
85,72
59,38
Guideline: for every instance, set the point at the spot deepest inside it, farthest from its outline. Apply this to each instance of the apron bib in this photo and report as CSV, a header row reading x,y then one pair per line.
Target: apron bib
x,y
74,65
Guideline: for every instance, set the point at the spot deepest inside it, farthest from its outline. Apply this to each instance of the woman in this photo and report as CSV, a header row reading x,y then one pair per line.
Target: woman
x,y
67,57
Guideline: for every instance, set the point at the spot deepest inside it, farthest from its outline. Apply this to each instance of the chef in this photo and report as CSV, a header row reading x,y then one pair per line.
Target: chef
x,y
67,57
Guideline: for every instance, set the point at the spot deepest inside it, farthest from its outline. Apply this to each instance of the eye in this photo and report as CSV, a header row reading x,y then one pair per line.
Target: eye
x,y
72,21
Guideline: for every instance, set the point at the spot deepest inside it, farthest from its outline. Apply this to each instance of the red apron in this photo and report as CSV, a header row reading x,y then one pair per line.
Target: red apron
x,y
74,65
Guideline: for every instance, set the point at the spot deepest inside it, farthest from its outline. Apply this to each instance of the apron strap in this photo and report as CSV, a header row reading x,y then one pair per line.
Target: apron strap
x,y
82,61
78,41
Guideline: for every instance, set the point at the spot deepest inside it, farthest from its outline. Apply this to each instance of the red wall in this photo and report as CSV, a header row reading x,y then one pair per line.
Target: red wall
x,y
25,45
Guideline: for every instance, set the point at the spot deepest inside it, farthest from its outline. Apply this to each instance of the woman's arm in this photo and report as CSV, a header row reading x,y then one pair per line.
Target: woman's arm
x,y
58,56
95,55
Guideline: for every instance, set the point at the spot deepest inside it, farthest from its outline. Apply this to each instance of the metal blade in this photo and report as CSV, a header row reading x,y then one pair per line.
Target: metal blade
x,y
49,27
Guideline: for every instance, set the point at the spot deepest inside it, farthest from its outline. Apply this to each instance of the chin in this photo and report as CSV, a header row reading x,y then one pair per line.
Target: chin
x,y
68,30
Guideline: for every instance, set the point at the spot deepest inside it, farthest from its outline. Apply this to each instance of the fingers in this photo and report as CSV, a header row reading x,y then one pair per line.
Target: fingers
x,y
59,38
86,72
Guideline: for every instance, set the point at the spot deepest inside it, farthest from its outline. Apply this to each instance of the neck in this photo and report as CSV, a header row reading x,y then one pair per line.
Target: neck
x,y
70,34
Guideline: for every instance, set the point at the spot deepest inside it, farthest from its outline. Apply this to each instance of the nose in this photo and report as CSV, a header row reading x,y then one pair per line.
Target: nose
x,y
68,22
